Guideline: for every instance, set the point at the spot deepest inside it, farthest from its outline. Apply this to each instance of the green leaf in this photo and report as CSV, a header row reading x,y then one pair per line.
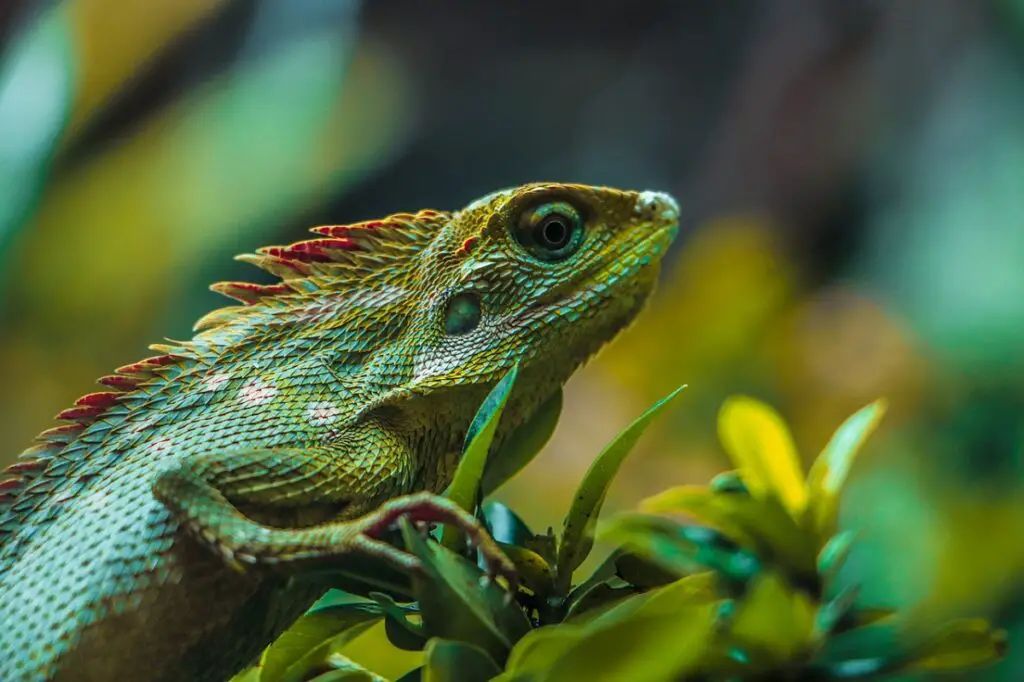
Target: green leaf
x,y
504,525
522,445
448,661
834,554
306,645
400,631
577,532
657,636
456,603
465,486
596,599
728,482
961,644
835,611
535,653
829,471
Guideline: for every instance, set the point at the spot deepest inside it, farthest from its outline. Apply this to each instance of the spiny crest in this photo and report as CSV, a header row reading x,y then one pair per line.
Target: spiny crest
x,y
342,255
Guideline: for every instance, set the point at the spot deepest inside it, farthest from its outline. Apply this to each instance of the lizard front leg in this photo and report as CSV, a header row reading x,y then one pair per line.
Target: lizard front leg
x,y
208,494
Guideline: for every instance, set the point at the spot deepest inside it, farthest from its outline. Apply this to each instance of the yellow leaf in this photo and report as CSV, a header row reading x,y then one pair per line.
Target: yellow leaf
x,y
760,445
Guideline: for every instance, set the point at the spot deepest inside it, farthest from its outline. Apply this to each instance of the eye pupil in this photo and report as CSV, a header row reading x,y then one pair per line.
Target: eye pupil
x,y
554,232
550,232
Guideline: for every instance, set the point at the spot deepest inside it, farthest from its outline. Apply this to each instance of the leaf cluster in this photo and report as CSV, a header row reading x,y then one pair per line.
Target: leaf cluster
x,y
752,594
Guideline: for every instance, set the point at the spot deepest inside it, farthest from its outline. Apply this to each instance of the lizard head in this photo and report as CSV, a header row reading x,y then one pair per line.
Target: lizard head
x,y
543,274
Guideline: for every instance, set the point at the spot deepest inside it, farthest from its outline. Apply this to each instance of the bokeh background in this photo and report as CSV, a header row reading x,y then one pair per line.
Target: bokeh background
x,y
851,172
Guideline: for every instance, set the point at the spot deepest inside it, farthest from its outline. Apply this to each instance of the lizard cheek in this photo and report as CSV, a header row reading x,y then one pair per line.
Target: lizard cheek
x,y
462,314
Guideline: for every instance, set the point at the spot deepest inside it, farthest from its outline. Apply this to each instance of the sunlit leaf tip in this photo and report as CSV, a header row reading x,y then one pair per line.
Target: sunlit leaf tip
x,y
760,444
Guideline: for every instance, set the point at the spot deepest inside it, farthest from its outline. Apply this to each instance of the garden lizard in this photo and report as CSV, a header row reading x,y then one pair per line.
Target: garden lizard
x,y
163,531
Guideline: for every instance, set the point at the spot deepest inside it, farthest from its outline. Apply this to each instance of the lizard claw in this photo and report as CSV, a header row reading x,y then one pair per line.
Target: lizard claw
x,y
425,507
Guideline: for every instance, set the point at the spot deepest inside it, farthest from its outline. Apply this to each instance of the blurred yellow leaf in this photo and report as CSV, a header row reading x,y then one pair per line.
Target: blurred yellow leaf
x,y
759,443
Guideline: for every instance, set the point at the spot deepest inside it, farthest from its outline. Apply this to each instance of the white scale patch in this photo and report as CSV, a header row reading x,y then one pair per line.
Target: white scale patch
x,y
256,392
215,382
322,413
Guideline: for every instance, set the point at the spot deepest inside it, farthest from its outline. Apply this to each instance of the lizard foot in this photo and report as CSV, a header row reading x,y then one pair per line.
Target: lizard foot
x,y
425,508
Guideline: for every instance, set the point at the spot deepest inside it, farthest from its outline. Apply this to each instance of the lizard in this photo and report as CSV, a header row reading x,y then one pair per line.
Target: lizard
x,y
163,531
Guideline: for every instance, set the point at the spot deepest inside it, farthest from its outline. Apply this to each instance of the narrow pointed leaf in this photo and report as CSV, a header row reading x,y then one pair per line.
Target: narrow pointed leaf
x,y
759,443
829,471
465,486
577,533
522,445
456,603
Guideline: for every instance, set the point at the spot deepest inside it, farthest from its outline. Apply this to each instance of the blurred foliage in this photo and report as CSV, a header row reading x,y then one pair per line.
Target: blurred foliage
x,y
755,595
849,170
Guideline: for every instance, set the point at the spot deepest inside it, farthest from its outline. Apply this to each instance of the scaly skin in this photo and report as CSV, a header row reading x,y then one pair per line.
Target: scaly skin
x,y
158,534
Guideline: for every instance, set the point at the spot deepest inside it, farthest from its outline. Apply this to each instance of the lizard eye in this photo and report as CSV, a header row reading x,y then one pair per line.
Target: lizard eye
x,y
461,314
551,232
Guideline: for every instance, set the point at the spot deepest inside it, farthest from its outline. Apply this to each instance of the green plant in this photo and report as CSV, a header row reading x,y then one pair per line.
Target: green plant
x,y
753,595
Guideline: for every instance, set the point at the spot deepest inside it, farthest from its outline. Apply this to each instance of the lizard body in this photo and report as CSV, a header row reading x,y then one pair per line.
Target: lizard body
x,y
158,534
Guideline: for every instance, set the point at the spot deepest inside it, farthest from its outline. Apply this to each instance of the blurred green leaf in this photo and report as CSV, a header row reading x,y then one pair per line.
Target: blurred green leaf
x,y
457,603
522,445
834,611
729,482
577,532
448,661
833,555
761,524
829,471
637,571
464,489
656,636
306,645
681,549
